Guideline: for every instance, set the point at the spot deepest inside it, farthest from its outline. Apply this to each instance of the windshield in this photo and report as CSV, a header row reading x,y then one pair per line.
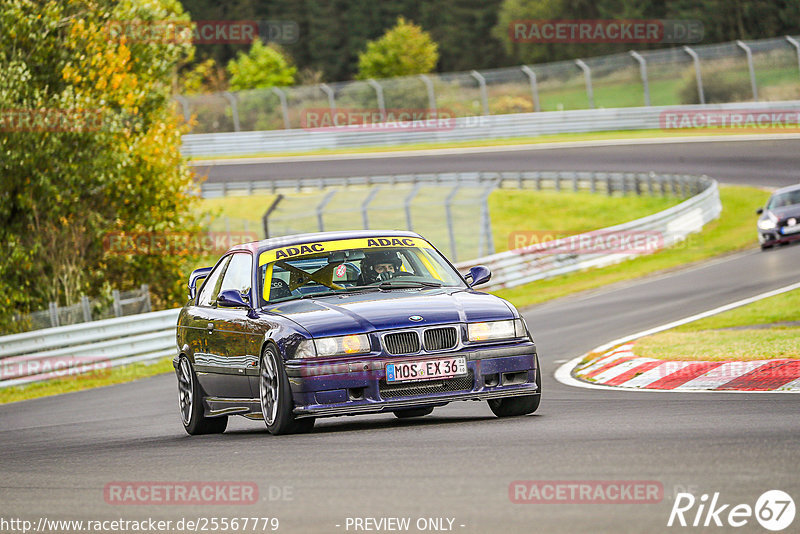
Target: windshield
x,y
348,265
782,200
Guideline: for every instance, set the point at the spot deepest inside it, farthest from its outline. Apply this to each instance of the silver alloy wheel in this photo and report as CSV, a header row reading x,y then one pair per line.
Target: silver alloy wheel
x,y
268,386
185,391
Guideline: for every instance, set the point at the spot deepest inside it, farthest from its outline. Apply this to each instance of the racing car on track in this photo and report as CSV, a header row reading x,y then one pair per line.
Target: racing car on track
x,y
779,221
341,323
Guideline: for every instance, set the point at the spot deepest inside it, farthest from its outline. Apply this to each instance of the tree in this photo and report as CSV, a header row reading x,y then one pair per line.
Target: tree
x,y
402,51
260,68
90,145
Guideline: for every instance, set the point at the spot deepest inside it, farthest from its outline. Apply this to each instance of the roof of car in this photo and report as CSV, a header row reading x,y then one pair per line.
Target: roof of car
x,y
788,188
299,239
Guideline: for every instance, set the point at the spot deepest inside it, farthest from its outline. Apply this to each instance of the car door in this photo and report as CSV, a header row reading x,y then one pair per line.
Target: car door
x,y
233,340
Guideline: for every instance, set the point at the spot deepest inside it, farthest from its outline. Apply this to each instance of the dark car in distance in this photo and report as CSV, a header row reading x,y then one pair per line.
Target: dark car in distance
x,y
296,328
779,221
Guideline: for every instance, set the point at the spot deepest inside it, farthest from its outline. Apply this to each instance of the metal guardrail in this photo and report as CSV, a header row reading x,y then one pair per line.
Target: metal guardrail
x,y
69,350
521,266
54,352
465,129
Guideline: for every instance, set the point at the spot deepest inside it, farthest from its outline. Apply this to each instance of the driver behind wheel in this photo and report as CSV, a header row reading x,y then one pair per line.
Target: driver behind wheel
x,y
379,266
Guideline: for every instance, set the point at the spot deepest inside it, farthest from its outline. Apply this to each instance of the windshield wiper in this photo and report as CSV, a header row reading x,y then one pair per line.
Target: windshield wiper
x,y
353,289
406,284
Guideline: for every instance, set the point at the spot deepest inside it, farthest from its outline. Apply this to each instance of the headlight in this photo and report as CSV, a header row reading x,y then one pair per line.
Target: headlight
x,y
766,224
496,330
333,346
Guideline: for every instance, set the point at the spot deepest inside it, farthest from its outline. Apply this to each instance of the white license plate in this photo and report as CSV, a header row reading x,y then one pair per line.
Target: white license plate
x,y
426,369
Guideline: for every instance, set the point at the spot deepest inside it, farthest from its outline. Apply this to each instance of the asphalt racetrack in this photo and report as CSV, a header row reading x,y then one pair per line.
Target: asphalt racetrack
x,y
59,453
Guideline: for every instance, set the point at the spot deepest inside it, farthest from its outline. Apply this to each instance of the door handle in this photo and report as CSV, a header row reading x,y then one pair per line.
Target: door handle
x,y
210,327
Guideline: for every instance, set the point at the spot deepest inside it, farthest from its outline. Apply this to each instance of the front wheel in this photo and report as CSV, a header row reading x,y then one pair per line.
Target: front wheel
x,y
190,402
514,406
276,397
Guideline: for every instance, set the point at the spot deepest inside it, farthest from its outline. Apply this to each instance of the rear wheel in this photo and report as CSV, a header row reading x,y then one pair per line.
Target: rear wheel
x,y
190,402
413,412
514,406
276,397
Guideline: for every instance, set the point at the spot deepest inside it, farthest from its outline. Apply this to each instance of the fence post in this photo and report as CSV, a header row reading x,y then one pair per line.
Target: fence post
x,y
749,54
792,41
587,73
117,303
53,314
449,214
407,205
87,309
148,307
486,222
379,94
698,75
534,86
431,93
187,115
231,98
643,72
284,106
484,95
365,205
265,218
321,208
331,99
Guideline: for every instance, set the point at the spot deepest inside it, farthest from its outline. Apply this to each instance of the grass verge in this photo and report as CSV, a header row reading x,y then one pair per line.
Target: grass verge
x,y
116,375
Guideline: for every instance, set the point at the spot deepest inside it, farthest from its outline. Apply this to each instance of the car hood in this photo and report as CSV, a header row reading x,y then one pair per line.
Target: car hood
x,y
366,312
787,211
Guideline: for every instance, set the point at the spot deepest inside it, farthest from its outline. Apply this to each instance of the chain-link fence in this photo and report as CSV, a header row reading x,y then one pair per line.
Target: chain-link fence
x,y
120,303
764,70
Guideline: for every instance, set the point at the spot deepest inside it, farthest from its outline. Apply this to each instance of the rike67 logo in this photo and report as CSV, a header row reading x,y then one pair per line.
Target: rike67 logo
x,y
774,510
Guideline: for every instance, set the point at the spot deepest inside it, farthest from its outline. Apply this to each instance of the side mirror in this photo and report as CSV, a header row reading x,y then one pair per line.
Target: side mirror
x,y
230,298
196,278
759,211
480,274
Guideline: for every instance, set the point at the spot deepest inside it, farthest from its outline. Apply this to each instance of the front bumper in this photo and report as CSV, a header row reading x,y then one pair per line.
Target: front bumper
x,y
355,387
775,237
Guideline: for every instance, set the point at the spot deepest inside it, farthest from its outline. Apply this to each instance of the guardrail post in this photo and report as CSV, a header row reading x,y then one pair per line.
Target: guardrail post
x,y
558,181
448,202
407,205
609,185
593,183
187,115
321,208
749,53
265,218
663,186
365,205
574,182
538,179
231,98
792,41
284,107
534,86
484,95
117,303
379,94
698,75
643,73
53,307
148,307
87,309
587,73
431,93
650,176
331,98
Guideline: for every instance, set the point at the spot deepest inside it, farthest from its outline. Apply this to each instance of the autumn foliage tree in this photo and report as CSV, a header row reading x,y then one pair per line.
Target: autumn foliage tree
x,y
402,51
89,147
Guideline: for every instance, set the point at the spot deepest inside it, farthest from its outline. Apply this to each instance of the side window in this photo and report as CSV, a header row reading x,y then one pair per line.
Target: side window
x,y
238,274
208,294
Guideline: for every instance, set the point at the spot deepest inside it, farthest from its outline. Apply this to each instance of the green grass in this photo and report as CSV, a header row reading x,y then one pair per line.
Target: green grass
x,y
721,345
733,231
116,375
778,309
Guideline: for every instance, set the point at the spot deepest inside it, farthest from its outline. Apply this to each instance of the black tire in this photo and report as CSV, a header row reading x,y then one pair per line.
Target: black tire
x,y
515,406
766,247
413,412
275,395
190,403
